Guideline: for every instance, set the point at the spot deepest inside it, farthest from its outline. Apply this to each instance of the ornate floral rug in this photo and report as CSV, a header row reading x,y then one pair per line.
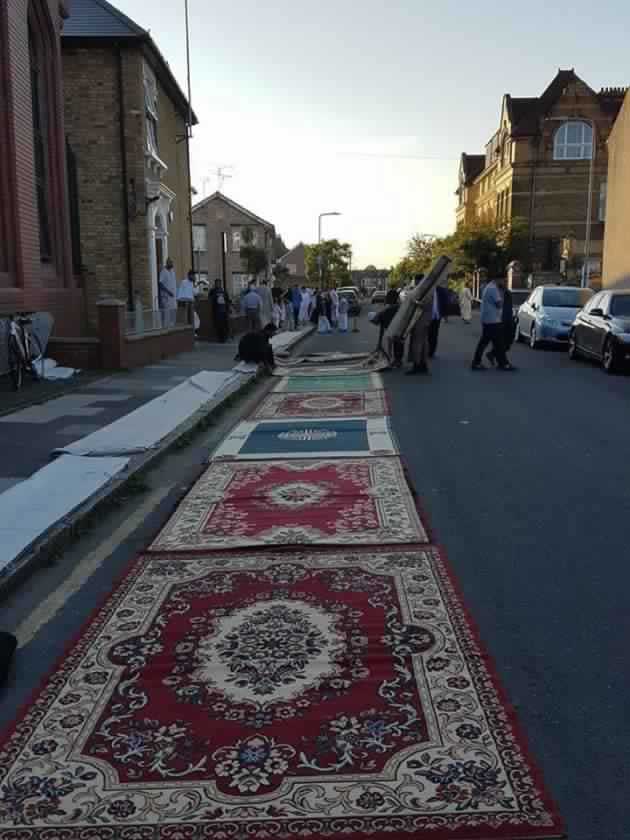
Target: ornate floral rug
x,y
301,382
353,404
315,696
330,437
262,503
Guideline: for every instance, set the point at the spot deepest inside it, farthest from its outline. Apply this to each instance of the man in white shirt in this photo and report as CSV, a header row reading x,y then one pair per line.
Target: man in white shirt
x,y
252,306
492,328
167,294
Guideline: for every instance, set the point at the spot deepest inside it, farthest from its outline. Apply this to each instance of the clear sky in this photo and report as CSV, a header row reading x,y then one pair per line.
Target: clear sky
x,y
364,108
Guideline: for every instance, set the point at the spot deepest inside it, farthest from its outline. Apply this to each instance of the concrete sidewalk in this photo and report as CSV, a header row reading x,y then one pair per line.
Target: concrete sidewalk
x,y
29,436
63,493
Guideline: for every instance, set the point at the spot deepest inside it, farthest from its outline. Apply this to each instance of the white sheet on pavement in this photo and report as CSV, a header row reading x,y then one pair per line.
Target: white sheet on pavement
x,y
284,340
144,428
49,369
29,509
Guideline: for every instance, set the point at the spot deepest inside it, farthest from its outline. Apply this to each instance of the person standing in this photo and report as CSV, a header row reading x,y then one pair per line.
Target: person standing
x,y
491,328
252,306
220,303
439,311
266,303
305,306
167,294
296,302
342,321
334,307
465,303
186,295
419,352
507,321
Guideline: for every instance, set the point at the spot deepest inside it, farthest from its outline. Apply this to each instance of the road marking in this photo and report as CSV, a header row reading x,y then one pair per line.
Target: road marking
x,y
58,599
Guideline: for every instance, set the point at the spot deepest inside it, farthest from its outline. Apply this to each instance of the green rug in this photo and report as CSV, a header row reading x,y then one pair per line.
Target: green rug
x,y
347,382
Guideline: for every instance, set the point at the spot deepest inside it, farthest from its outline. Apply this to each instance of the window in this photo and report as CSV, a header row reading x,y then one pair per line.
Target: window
x,y
200,238
236,241
39,102
573,141
151,111
594,303
620,306
75,215
603,188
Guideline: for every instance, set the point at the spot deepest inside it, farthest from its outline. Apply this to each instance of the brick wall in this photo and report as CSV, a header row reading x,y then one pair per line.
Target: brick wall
x,y
27,283
219,217
616,272
174,153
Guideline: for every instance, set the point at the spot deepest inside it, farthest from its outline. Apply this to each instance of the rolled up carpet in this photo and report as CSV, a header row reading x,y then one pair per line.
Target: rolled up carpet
x,y
8,644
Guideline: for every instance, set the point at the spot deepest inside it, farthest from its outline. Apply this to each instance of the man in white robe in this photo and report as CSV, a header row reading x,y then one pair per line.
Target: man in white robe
x,y
167,294
266,298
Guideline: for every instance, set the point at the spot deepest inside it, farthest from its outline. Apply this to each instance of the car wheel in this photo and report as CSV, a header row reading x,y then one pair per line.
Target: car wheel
x,y
574,352
610,359
533,340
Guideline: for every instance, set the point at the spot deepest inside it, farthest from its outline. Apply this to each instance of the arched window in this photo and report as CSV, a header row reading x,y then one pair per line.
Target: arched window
x,y
573,141
41,151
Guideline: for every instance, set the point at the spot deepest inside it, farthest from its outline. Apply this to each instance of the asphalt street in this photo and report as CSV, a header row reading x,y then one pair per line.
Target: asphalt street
x,y
523,479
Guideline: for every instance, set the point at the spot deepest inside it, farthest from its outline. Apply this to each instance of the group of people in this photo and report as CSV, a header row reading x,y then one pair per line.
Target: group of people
x,y
421,337
172,295
330,312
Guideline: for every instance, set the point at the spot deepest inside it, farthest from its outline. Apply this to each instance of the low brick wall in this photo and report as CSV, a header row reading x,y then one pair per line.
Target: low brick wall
x,y
82,353
149,348
120,351
207,331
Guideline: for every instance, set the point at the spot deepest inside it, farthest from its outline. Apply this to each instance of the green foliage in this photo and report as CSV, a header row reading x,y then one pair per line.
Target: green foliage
x,y
335,259
479,245
255,258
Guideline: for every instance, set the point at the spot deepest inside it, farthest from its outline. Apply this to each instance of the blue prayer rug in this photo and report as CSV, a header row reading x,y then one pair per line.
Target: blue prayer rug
x,y
329,437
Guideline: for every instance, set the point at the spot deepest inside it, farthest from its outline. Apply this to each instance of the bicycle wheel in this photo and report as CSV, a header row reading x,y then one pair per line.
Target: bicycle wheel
x,y
37,357
16,366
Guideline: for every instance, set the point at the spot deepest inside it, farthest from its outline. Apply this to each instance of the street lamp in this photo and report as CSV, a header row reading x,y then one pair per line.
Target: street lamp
x,y
319,239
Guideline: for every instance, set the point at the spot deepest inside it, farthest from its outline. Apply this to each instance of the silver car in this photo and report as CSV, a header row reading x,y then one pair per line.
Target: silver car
x,y
548,314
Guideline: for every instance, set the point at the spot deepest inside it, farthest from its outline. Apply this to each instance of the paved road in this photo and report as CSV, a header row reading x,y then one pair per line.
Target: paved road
x,y
524,477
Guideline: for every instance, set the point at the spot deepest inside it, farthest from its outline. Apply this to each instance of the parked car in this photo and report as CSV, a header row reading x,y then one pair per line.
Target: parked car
x,y
548,314
354,304
378,296
602,330
350,289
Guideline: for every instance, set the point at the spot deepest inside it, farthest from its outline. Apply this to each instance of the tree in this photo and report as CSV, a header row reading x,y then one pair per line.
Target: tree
x,y
473,246
255,258
278,249
332,259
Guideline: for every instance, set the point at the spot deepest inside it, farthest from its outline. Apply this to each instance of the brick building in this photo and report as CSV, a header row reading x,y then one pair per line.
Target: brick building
x,y
537,167
36,259
218,226
294,262
127,124
616,272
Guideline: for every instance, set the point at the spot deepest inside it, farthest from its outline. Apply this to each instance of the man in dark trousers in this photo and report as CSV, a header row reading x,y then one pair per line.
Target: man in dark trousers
x,y
507,321
220,302
255,348
492,328
439,312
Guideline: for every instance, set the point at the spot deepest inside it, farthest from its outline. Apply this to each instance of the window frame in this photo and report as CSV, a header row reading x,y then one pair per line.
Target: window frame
x,y
562,143
204,238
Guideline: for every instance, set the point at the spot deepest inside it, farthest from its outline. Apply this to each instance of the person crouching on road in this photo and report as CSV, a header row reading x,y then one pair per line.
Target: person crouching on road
x,y
255,348
492,329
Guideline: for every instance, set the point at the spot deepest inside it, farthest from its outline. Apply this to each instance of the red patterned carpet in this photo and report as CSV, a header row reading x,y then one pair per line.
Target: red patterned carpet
x,y
304,695
299,502
357,404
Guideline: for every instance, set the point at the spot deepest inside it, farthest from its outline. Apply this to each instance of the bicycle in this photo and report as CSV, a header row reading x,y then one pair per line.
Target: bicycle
x,y
25,350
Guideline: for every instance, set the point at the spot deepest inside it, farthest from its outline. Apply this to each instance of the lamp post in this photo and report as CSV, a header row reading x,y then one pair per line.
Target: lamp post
x,y
319,239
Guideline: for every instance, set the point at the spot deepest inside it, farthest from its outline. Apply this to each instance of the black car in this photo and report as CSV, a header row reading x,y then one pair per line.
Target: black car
x,y
602,330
